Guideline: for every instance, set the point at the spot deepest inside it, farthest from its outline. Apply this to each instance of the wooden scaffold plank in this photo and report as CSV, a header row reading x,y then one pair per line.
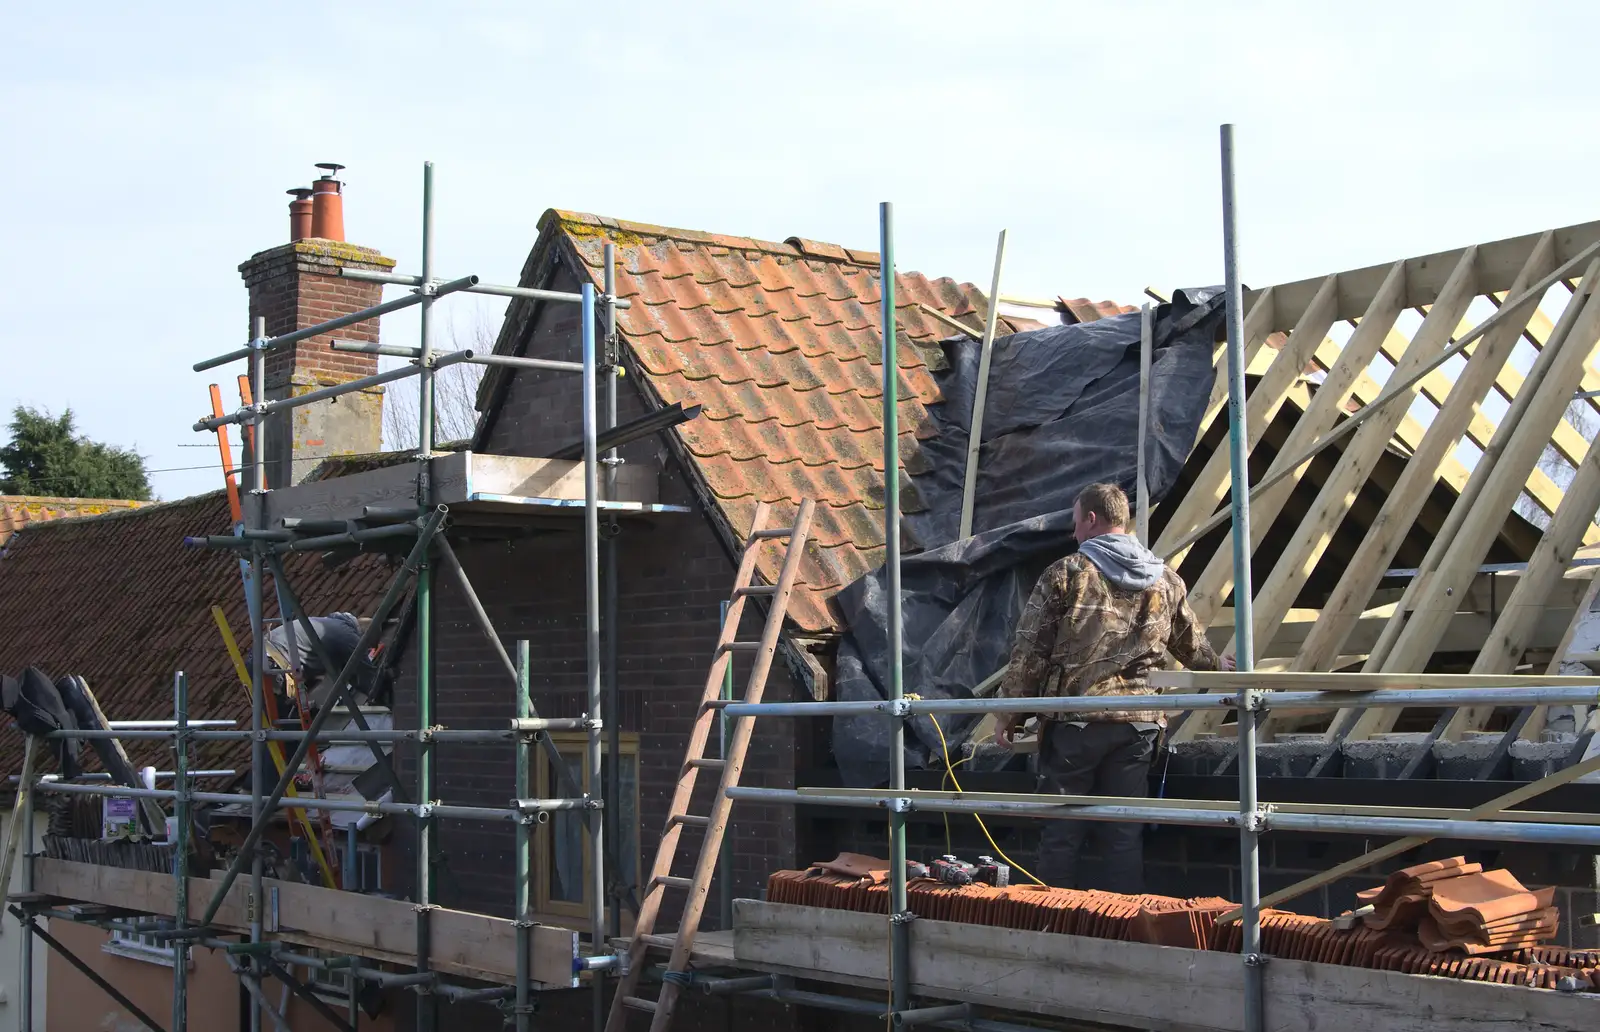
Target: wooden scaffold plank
x,y
1130,984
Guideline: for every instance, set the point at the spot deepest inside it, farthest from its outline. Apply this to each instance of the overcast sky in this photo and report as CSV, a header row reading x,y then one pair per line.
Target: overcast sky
x,y
148,147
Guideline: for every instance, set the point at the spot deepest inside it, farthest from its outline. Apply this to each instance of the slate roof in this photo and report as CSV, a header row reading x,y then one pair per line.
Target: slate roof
x,y
119,600
781,344
17,511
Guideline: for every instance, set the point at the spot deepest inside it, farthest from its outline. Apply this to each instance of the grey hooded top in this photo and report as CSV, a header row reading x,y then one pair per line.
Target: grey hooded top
x,y
1123,560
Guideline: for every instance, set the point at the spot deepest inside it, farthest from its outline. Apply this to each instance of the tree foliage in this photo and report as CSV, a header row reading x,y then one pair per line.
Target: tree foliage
x,y
46,456
455,413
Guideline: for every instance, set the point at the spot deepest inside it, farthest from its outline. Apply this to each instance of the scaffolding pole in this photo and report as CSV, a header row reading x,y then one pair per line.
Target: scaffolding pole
x,y
88,972
611,792
262,546
422,892
1243,589
900,915
25,989
591,638
180,856
522,906
247,849
255,519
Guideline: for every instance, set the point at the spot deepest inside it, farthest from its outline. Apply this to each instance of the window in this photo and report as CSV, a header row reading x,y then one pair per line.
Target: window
x,y
333,983
141,946
562,846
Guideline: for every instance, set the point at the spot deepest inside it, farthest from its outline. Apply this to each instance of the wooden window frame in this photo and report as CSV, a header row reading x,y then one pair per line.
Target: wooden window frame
x,y
569,744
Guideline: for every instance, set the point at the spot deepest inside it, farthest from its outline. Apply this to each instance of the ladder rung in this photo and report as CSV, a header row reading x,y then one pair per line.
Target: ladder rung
x,y
639,1003
756,589
706,763
739,646
660,942
673,881
720,703
689,820
775,532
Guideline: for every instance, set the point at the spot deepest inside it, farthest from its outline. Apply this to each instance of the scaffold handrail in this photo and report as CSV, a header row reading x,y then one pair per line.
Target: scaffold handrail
x,y
529,293
1567,694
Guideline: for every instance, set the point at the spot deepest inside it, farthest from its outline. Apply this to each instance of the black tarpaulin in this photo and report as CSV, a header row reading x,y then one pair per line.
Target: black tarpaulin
x,y
1062,412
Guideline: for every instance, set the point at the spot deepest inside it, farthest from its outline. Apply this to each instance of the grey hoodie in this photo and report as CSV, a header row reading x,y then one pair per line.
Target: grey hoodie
x,y
1123,561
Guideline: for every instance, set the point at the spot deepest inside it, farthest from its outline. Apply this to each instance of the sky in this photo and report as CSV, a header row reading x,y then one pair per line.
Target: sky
x,y
150,146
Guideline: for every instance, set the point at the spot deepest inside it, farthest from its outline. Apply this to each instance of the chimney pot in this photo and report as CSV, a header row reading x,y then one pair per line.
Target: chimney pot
x,y
299,213
327,204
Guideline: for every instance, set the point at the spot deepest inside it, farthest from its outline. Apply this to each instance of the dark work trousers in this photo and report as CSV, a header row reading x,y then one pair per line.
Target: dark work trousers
x,y
1108,759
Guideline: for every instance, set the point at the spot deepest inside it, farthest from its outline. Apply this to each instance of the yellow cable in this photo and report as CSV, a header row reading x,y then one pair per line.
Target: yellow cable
x,y
950,771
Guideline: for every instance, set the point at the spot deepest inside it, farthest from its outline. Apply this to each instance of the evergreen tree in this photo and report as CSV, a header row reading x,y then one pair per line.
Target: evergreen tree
x,y
47,456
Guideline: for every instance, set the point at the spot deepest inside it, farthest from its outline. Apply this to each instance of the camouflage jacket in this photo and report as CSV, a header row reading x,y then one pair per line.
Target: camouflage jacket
x,y
1082,635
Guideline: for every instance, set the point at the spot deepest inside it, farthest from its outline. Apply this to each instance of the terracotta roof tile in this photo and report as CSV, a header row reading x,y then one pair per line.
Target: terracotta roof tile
x,y
17,511
1082,310
780,343
119,600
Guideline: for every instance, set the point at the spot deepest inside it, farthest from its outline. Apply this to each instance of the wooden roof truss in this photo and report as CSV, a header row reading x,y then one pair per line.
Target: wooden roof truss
x,y
1480,422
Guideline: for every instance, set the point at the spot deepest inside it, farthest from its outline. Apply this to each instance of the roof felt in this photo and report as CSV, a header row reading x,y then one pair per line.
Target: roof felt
x,y
781,344
119,600
17,511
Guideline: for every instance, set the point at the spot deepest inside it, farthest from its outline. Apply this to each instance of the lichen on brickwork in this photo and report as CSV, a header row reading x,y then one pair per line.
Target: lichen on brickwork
x,y
339,251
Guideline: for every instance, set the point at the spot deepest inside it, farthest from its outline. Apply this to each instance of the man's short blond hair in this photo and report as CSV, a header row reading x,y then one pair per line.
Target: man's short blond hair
x,y
1106,501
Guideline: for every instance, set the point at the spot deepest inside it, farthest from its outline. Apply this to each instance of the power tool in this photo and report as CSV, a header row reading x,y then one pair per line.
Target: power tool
x,y
952,871
992,872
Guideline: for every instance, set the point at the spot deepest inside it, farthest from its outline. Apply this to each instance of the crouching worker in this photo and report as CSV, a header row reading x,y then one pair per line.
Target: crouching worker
x,y
1097,622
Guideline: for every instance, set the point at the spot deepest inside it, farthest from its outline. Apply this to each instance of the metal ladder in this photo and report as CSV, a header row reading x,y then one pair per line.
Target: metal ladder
x,y
715,824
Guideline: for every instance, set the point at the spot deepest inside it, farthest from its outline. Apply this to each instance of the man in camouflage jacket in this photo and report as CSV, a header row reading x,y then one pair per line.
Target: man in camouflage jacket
x,y
1097,623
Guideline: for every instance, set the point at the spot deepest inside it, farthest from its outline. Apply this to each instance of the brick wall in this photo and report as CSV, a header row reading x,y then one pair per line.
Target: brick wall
x,y
293,286
296,285
674,574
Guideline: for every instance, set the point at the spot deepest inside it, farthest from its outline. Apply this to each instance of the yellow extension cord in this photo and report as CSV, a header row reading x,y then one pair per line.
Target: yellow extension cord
x,y
950,771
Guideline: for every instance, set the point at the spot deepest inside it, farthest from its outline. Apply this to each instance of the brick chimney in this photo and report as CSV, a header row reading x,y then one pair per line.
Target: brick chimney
x,y
295,285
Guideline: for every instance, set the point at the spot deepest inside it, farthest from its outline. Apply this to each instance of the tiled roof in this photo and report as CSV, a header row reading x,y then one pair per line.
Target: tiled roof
x,y
119,600
781,344
1082,310
17,511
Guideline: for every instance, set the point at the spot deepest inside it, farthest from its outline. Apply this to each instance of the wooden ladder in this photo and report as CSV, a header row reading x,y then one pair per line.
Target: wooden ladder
x,y
715,824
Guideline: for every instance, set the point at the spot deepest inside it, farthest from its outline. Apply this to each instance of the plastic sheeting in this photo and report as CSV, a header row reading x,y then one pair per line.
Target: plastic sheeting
x,y
1062,412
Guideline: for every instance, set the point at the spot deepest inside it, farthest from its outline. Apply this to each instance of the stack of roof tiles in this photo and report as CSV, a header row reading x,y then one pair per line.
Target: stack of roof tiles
x,y
860,883
1402,901
1453,905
